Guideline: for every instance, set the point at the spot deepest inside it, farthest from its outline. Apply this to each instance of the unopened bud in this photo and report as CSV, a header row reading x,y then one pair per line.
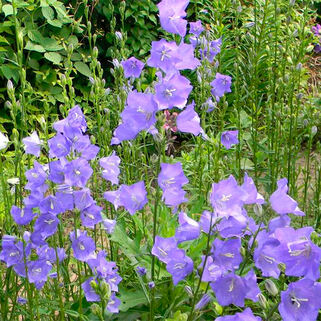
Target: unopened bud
x,y
95,52
262,300
299,66
271,287
119,35
258,210
95,309
93,284
314,130
189,291
10,85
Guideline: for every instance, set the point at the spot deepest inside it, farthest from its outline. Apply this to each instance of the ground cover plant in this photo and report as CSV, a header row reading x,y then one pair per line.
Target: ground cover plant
x,y
188,188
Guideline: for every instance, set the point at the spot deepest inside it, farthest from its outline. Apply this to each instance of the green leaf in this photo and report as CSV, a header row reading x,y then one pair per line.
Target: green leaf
x,y
48,13
51,44
178,316
7,71
34,47
83,68
131,299
55,23
53,57
72,313
3,40
7,9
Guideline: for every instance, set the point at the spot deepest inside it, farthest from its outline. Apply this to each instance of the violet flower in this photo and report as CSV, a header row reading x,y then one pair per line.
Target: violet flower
x,y
188,229
132,67
32,144
229,138
246,315
110,167
162,247
82,245
221,85
196,28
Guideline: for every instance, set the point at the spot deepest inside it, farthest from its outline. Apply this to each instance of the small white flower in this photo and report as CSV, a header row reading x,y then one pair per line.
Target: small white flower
x,y
3,141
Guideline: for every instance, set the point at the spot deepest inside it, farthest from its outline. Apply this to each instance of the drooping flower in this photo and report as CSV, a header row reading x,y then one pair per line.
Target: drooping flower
x,y
186,57
179,265
46,224
132,67
171,16
221,85
187,230
281,202
110,167
229,138
32,144
301,301
113,197
188,121
133,197
172,91
211,271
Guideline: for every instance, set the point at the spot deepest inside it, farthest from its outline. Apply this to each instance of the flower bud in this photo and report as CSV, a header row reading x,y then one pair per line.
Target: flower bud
x,y
93,284
189,291
105,290
118,35
271,287
262,300
258,210
151,284
314,130
95,52
299,66
10,85
96,309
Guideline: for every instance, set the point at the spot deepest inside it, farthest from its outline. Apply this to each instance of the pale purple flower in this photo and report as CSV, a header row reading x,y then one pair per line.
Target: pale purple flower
x,y
113,197
22,216
179,265
162,247
109,225
229,138
250,194
151,284
246,315
32,144
90,293
82,245
172,91
91,216
110,167
188,121
196,28
113,304
132,67
187,230
281,202
133,197
221,85
186,57
77,173
171,16
59,146
38,270
203,302
301,301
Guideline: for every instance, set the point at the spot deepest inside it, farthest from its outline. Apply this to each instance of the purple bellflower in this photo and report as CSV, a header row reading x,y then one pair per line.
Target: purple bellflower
x,y
110,167
281,202
171,16
188,228
162,248
221,85
82,245
196,28
133,197
32,144
172,91
229,138
246,315
77,173
132,67
301,301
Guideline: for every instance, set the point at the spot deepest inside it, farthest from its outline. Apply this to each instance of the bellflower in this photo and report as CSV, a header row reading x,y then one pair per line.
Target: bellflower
x,y
301,301
132,67
229,138
203,302
233,289
113,304
87,150
59,146
90,293
110,167
179,265
56,171
91,216
109,225
162,248
196,28
212,271
12,250
22,216
32,144
36,176
227,253
82,245
171,175
171,16
77,173
226,197
188,228
221,85
281,202
186,57
188,121
133,197
4,141
83,199
65,197
208,221
113,197
210,49
246,315
38,270
250,194
172,91
300,256
46,224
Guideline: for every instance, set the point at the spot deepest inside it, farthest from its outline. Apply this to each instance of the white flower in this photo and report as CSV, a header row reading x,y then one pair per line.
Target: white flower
x,y
3,141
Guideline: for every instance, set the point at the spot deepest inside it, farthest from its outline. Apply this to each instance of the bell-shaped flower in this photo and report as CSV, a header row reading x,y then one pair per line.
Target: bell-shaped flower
x,y
110,167
32,144
82,245
162,248
281,202
132,67
246,315
221,85
187,230
229,138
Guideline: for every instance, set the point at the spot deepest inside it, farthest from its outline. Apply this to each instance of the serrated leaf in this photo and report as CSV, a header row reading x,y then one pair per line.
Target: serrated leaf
x,y
34,47
83,68
7,9
54,57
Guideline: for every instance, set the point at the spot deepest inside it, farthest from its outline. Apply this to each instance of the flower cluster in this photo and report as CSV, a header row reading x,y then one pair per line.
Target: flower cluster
x,y
55,188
